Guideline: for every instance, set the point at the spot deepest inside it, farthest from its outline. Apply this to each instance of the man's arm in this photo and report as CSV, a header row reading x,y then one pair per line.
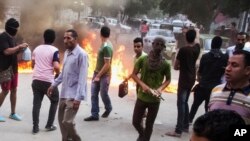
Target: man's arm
x,y
177,64
144,87
13,50
167,78
56,63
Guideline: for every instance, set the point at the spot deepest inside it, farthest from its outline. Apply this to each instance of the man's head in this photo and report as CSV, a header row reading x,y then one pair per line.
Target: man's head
x,y
70,39
138,45
238,67
158,45
105,32
241,40
190,36
233,25
216,42
11,26
49,36
215,125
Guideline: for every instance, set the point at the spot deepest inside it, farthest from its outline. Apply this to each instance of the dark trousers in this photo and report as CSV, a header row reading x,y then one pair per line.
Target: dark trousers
x,y
183,110
139,111
39,90
200,94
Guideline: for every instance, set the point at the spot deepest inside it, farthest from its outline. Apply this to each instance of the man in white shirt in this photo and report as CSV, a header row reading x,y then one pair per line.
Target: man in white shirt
x,y
240,44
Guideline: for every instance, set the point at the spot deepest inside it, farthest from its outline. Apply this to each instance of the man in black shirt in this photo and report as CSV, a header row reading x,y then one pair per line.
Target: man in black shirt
x,y
212,68
8,57
185,62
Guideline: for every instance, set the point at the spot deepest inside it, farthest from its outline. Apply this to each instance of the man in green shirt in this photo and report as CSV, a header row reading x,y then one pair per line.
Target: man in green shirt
x,y
154,70
101,79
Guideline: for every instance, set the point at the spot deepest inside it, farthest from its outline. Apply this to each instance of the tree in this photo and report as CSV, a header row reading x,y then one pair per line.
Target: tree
x,y
134,7
204,11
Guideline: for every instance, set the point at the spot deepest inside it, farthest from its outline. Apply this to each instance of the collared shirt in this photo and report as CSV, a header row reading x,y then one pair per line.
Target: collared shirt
x,y
74,75
237,100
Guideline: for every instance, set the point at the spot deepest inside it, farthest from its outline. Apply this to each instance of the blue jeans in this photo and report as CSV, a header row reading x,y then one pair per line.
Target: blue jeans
x,y
102,86
183,110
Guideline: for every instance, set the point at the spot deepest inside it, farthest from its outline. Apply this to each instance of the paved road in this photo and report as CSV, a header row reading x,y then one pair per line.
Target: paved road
x,y
117,127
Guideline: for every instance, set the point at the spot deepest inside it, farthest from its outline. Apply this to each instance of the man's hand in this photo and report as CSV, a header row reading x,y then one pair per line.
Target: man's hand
x,y
23,46
76,104
50,90
96,79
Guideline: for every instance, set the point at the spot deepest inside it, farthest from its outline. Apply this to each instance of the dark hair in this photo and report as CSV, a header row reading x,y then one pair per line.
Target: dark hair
x,y
11,26
216,42
215,125
233,24
191,35
105,31
242,34
138,39
246,55
49,36
74,33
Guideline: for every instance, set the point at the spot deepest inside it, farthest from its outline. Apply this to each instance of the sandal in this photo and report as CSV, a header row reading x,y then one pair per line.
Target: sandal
x,y
173,134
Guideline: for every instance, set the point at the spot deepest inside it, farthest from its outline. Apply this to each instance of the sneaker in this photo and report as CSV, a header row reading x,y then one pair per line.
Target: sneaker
x,y
50,128
35,130
173,134
105,114
91,118
15,117
2,119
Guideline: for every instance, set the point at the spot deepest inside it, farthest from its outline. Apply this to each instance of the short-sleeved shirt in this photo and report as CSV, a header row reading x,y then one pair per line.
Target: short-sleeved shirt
x,y
187,57
105,52
6,41
44,56
153,79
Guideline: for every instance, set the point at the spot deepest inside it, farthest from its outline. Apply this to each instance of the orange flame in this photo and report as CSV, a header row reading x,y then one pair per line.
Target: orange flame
x,y
25,67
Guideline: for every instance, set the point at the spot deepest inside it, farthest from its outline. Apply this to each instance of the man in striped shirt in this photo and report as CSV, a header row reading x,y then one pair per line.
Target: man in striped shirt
x,y
235,94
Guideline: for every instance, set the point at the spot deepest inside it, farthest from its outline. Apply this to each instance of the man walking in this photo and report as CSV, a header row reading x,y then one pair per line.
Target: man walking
x,y
45,60
211,69
155,74
101,79
74,85
185,62
8,57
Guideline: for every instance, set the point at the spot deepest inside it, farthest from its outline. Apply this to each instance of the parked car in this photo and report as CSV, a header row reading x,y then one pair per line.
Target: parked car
x,y
167,35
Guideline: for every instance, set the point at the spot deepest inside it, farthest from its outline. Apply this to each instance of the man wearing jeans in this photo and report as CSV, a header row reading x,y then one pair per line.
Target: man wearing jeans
x,y
74,85
185,62
101,78
45,60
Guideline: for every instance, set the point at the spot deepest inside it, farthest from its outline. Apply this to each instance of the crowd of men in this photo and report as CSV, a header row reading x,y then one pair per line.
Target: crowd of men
x,y
223,82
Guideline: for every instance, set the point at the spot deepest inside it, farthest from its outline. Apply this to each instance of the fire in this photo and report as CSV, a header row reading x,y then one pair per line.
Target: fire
x,y
118,70
25,67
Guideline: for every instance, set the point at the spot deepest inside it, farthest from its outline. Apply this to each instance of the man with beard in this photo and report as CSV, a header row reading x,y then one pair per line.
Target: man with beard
x,y
74,85
234,94
240,43
8,56
154,70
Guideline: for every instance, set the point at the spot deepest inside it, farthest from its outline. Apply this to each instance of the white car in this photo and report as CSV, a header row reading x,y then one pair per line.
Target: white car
x,y
167,35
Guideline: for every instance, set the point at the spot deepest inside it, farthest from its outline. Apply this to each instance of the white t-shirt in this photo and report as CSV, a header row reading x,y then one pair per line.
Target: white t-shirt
x,y
44,55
